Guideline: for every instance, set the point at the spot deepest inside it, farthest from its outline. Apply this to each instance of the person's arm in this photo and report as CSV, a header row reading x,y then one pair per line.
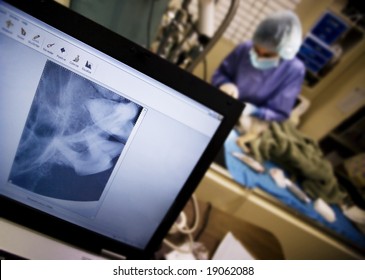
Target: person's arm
x,y
226,71
278,108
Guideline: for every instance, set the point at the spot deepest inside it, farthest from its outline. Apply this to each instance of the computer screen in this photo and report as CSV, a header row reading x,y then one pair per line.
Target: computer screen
x,y
91,140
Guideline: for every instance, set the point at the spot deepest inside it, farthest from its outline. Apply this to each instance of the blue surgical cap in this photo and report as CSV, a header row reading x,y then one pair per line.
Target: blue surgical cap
x,y
280,32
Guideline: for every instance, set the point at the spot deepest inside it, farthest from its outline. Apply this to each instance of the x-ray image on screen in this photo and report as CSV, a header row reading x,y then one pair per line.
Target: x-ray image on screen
x,y
73,136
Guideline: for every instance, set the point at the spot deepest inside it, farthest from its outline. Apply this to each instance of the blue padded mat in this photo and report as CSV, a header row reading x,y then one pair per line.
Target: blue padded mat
x,y
245,176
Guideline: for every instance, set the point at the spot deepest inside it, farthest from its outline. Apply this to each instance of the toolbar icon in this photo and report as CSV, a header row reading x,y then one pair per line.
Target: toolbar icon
x,y
9,24
63,50
36,37
77,58
88,65
50,45
23,31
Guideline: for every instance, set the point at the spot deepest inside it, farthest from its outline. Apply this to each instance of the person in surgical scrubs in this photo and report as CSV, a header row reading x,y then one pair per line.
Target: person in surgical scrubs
x,y
264,72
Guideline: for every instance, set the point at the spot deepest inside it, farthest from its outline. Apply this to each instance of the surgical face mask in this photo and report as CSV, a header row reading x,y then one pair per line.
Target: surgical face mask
x,y
263,63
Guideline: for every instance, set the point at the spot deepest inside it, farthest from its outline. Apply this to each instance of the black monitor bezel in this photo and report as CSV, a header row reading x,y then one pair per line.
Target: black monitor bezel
x,y
157,68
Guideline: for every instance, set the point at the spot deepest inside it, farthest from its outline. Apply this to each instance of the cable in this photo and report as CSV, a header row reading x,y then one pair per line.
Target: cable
x,y
179,249
149,22
219,32
186,230
205,222
205,69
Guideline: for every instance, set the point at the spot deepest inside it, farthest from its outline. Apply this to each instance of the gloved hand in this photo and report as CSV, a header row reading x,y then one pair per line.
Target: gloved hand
x,y
249,110
230,89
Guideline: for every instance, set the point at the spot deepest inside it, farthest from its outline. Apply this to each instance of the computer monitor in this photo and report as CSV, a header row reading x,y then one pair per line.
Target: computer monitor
x,y
102,141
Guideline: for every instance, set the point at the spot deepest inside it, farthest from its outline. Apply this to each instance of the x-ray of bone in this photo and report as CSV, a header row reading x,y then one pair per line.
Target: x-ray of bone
x,y
73,137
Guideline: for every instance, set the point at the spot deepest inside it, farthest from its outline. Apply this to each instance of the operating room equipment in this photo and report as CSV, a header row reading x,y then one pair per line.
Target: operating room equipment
x,y
185,40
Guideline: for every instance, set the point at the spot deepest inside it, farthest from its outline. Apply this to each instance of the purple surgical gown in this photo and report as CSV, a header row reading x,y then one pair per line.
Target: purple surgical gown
x,y
273,91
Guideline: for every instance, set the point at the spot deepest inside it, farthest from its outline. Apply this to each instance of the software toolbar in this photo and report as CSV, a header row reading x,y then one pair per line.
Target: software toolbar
x,y
47,43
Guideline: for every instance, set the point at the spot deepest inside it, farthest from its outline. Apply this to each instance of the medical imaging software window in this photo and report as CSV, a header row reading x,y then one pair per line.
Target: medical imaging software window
x,y
100,150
